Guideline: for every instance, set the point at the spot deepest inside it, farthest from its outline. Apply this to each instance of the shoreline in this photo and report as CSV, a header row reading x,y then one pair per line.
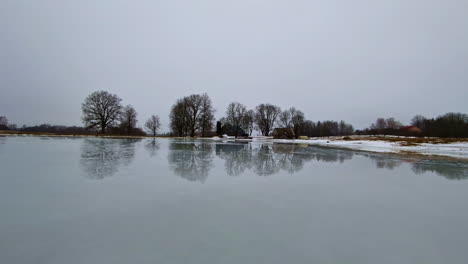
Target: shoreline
x,y
11,133
402,146
454,149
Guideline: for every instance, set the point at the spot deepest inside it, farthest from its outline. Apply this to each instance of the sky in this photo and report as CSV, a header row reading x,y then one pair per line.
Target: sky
x,y
332,59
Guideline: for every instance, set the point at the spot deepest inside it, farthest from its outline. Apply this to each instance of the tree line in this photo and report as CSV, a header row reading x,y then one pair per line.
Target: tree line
x,y
193,115
102,113
449,125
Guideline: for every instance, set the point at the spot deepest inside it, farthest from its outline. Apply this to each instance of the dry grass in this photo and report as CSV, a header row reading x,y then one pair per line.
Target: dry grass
x,y
409,141
419,140
9,132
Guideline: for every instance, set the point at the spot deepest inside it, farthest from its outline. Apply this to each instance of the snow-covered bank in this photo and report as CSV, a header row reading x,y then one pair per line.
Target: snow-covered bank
x,y
455,150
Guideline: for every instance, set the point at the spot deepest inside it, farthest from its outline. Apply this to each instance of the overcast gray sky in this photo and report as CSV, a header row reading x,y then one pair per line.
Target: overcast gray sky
x,y
333,59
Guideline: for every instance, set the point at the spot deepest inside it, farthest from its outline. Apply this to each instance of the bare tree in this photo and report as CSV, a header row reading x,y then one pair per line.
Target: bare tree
x,y
193,105
291,118
392,123
128,119
380,124
153,124
3,123
249,121
284,119
265,117
101,110
192,114
345,129
297,120
207,115
419,121
235,115
385,126
177,117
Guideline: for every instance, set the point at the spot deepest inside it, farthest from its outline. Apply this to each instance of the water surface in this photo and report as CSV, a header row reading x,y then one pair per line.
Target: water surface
x,y
92,200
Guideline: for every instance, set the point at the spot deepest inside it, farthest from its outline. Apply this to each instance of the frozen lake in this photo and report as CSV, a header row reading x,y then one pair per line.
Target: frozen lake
x,y
93,200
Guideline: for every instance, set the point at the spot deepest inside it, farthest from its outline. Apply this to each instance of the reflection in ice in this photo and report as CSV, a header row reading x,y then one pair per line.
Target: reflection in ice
x,y
152,146
450,170
269,159
101,157
237,157
191,160
383,161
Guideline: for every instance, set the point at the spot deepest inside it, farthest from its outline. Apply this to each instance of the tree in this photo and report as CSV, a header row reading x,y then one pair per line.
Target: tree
x,y
192,114
388,126
236,116
291,118
193,105
249,121
207,115
101,110
177,118
419,121
153,124
284,119
308,128
380,124
393,124
297,120
128,119
265,117
451,125
345,129
3,123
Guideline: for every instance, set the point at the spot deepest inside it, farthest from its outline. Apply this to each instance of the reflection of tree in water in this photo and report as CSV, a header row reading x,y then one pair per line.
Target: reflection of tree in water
x,y
101,158
451,170
330,154
264,161
268,159
238,157
190,160
152,146
383,161
289,158
193,160
2,139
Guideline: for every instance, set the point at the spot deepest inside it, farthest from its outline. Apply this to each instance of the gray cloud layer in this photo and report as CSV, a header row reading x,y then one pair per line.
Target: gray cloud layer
x,y
351,60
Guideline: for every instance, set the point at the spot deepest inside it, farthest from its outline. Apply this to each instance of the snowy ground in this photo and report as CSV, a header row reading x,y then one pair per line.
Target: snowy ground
x,y
456,150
